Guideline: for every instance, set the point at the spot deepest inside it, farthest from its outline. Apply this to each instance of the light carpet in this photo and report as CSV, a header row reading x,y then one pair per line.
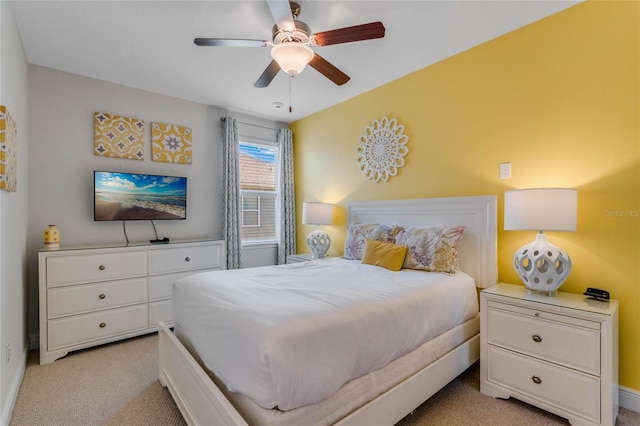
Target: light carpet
x,y
117,384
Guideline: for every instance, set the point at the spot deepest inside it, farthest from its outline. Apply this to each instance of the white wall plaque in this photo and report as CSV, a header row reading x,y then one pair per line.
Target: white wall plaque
x,y
382,149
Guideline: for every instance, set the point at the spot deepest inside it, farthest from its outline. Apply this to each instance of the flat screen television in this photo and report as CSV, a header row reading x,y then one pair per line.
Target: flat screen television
x,y
138,196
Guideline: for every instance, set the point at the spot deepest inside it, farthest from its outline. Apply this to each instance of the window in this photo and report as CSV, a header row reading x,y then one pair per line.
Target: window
x,y
258,191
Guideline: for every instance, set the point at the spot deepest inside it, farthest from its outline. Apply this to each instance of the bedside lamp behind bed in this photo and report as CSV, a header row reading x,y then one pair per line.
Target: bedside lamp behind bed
x,y
318,214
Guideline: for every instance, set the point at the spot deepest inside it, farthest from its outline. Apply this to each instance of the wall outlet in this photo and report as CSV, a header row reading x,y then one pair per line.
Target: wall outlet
x,y
8,352
505,170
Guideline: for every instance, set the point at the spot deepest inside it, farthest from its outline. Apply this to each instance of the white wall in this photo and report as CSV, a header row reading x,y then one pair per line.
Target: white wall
x,y
13,219
61,160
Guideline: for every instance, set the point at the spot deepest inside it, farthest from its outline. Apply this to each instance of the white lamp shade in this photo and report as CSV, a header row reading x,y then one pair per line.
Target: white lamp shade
x,y
317,214
292,57
541,209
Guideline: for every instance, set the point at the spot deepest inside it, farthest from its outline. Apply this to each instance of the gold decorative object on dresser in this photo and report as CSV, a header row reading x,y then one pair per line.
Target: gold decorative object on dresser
x,y
91,296
557,353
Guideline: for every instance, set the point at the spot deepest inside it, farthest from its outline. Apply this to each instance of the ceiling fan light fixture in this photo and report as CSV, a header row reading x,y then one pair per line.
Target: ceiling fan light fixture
x,y
292,57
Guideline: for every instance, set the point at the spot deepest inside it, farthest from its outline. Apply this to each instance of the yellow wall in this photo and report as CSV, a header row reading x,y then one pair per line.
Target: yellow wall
x,y
559,99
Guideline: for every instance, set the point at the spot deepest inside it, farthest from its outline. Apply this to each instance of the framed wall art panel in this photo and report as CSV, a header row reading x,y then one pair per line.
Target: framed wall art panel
x,y
117,136
8,151
171,143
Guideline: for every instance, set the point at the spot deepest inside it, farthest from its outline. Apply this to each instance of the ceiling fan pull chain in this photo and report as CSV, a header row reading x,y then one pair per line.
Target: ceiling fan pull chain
x,y
290,109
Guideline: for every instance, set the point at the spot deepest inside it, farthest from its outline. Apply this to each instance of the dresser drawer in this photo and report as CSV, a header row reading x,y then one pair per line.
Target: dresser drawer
x,y
184,258
67,270
78,299
564,388
527,331
160,311
161,286
79,329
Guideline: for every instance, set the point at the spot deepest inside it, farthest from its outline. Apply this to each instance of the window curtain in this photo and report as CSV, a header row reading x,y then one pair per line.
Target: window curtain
x,y
231,188
287,225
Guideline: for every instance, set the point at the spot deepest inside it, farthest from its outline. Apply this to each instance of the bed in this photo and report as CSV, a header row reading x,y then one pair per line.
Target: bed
x,y
383,396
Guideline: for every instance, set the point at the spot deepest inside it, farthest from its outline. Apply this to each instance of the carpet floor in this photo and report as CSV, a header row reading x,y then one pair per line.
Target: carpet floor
x,y
117,384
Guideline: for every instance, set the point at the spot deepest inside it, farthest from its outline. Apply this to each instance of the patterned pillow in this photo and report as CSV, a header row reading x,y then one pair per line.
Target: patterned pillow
x,y
432,249
359,232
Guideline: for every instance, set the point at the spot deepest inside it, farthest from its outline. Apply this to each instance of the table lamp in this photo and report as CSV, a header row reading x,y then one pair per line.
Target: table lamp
x,y
542,266
317,214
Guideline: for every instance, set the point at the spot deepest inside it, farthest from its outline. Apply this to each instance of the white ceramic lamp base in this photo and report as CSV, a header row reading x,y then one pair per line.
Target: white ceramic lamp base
x,y
542,266
318,242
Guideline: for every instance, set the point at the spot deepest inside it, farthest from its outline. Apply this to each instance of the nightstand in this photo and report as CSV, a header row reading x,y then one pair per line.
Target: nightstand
x,y
557,353
305,257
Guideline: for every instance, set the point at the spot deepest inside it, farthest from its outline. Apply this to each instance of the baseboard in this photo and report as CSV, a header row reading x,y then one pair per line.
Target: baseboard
x,y
12,396
629,399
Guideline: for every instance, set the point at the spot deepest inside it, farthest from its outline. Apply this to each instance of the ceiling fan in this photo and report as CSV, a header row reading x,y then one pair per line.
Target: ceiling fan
x,y
292,40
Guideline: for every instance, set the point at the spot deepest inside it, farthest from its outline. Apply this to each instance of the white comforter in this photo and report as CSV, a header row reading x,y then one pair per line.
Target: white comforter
x,y
291,335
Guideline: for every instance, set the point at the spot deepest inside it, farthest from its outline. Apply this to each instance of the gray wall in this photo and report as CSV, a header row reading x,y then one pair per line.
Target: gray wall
x,y
61,161
13,219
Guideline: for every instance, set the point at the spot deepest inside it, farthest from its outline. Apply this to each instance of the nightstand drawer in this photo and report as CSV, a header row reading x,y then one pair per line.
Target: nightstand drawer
x,y
564,388
572,342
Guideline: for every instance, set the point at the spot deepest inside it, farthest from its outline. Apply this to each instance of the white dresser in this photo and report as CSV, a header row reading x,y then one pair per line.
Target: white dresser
x,y
557,353
91,296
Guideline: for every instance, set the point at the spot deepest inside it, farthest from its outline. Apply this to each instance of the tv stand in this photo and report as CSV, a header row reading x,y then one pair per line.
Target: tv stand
x,y
98,295
164,240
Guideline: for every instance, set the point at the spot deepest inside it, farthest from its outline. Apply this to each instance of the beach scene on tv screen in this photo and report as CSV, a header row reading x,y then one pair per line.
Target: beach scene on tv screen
x,y
128,196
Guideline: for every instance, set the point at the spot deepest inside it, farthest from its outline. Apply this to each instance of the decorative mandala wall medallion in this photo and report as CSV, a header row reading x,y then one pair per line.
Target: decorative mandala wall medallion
x,y
382,149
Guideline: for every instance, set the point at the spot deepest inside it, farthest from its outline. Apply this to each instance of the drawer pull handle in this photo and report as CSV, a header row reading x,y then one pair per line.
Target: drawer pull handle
x,y
536,338
102,267
187,259
537,380
102,296
103,324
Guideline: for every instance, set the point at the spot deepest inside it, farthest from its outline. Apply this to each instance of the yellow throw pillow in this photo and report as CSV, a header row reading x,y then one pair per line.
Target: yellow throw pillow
x,y
388,255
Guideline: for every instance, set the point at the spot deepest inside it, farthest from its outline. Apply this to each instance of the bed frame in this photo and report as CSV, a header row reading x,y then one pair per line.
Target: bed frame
x,y
202,403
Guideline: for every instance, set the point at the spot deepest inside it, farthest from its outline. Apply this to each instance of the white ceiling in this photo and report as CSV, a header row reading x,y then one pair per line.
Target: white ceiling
x,y
149,45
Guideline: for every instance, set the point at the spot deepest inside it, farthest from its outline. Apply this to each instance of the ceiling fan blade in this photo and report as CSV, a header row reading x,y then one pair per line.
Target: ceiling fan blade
x,y
230,42
268,75
348,34
325,68
281,11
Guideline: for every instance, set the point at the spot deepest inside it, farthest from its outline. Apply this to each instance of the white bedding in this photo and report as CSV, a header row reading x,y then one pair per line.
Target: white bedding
x,y
291,335
357,392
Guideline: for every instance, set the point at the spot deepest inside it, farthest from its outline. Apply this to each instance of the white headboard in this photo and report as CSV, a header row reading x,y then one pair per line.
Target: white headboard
x,y
479,245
